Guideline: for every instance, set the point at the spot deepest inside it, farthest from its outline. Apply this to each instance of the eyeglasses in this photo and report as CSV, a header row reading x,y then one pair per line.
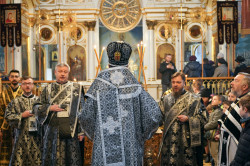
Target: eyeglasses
x,y
29,83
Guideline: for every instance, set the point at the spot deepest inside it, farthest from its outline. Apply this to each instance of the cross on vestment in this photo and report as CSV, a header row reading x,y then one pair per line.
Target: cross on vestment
x,y
110,125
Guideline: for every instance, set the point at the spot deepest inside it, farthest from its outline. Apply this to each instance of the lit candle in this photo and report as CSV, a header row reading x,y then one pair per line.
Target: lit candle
x,y
138,49
186,79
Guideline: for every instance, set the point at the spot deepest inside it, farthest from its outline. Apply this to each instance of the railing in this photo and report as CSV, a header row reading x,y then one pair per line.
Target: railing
x,y
38,86
218,84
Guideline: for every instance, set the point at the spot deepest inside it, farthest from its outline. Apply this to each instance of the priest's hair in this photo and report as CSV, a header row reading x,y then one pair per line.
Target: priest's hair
x,y
62,65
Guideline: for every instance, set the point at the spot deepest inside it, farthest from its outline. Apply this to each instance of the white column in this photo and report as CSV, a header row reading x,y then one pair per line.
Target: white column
x,y
32,62
90,51
151,63
209,42
18,59
179,51
62,47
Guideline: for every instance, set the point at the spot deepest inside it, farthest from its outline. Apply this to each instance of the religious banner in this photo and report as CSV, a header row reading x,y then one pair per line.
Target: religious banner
x,y
10,24
227,13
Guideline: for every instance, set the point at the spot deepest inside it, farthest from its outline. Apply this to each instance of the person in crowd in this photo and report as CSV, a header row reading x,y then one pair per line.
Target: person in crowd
x,y
206,96
221,70
240,65
167,69
57,108
230,122
243,152
119,115
232,96
220,55
208,69
197,86
193,68
19,114
226,105
184,119
212,124
207,136
9,93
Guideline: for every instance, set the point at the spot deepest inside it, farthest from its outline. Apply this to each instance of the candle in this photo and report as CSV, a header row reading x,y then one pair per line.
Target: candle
x,y
186,79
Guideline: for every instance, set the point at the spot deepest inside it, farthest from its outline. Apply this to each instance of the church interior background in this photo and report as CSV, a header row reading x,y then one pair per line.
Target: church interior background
x,y
77,32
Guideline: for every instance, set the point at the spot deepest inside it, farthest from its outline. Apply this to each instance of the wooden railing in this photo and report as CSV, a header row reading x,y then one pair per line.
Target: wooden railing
x,y
218,84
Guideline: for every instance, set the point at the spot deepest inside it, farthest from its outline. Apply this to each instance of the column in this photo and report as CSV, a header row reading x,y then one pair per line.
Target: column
x,y
18,59
150,57
90,50
209,42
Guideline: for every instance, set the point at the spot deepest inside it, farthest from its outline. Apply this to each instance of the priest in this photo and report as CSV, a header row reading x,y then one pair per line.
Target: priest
x,y
57,109
119,115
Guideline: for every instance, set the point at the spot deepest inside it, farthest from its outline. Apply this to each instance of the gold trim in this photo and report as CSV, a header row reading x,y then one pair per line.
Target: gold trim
x,y
245,31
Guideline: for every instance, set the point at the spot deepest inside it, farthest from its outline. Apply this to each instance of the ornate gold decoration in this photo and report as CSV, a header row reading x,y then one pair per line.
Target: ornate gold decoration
x,y
195,31
199,15
165,31
46,34
121,15
90,25
151,24
171,15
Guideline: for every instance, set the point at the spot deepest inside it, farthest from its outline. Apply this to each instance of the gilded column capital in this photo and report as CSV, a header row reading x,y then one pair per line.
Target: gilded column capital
x,y
90,25
151,24
209,20
31,21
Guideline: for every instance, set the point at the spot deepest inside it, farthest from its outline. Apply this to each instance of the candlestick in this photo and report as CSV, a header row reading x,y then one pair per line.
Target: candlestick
x,y
0,85
98,59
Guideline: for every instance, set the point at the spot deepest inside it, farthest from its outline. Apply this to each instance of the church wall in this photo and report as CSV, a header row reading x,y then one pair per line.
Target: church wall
x,y
169,22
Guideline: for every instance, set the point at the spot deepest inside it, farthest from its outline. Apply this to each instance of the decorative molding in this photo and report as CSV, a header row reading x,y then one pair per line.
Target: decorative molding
x,y
151,24
90,25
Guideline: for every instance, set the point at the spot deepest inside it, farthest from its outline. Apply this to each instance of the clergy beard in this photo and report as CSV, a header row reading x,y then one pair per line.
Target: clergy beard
x,y
14,83
177,94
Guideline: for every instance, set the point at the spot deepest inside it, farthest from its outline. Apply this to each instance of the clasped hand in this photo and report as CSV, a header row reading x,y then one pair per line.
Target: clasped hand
x,y
55,108
182,118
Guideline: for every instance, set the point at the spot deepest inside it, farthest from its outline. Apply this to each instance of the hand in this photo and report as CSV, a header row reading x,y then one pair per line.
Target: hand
x,y
169,66
182,118
217,137
26,114
80,137
55,108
